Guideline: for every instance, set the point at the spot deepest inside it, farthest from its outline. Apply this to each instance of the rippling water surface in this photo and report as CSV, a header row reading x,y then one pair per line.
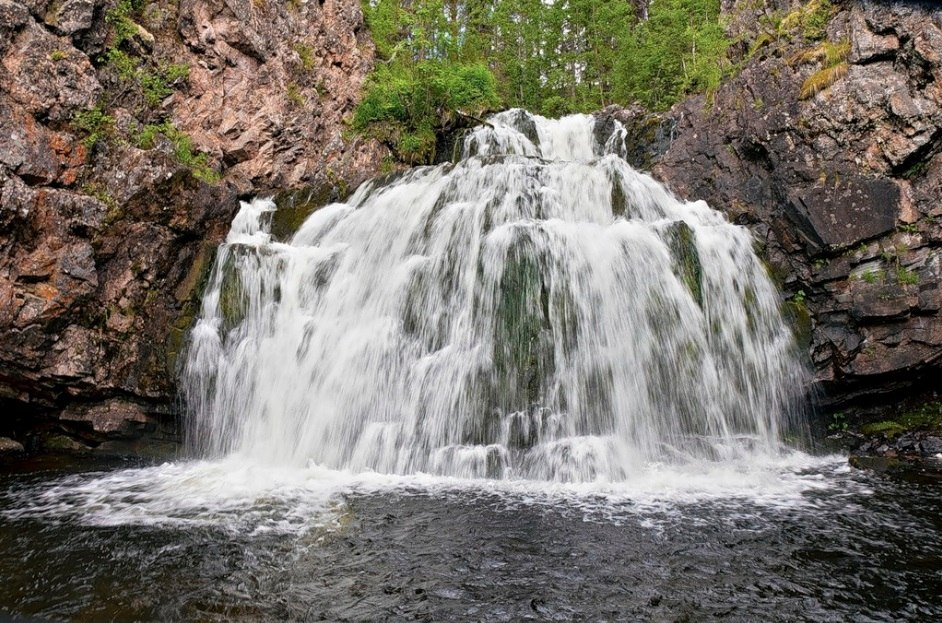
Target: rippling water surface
x,y
802,539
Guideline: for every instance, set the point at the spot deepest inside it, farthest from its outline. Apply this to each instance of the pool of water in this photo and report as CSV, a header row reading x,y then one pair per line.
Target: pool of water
x,y
804,539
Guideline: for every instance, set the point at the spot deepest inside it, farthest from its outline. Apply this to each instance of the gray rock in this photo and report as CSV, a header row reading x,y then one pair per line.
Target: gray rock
x,y
930,446
67,17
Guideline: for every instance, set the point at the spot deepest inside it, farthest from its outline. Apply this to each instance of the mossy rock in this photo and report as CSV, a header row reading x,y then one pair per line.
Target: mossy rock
x,y
522,357
926,417
619,199
801,322
232,300
682,243
295,206
64,443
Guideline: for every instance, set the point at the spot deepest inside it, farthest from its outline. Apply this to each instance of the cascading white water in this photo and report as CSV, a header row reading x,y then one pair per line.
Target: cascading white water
x,y
539,310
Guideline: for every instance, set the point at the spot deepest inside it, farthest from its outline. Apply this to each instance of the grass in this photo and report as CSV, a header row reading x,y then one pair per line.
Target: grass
x,y
828,53
810,20
821,80
905,276
294,95
183,150
833,59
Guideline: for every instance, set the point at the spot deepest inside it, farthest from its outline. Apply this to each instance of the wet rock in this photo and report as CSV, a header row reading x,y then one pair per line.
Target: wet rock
x,y
931,446
647,135
9,446
112,417
64,443
686,265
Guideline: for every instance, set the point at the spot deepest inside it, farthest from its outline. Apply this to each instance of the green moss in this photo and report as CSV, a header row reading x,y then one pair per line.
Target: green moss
x,y
305,55
95,124
888,428
809,20
928,416
619,199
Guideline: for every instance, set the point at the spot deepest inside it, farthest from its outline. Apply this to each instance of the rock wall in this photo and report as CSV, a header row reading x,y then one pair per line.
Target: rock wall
x,y
128,133
829,149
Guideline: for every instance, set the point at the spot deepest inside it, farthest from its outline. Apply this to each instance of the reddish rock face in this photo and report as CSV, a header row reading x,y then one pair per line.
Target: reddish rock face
x,y
102,248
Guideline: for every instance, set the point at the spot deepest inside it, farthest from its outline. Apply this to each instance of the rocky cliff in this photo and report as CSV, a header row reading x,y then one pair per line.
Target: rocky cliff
x,y
827,144
128,132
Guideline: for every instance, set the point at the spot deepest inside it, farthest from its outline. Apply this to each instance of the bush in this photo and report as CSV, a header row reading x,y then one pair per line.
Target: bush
x,y
407,109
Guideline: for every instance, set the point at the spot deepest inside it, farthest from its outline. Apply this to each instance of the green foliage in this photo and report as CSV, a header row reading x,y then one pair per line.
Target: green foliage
x,y
293,93
680,49
405,107
872,276
838,422
441,57
122,63
57,55
905,276
122,26
158,84
183,150
154,83
95,123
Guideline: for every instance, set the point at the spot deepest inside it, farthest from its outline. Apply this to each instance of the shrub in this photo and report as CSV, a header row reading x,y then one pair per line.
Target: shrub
x,y
406,109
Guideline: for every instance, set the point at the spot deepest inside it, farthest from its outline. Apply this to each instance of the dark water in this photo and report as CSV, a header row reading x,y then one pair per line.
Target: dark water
x,y
854,547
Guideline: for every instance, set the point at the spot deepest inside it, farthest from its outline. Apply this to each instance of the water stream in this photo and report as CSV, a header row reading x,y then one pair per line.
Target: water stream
x,y
528,385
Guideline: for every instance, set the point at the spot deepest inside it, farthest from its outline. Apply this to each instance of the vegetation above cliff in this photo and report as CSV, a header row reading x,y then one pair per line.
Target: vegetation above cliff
x,y
439,60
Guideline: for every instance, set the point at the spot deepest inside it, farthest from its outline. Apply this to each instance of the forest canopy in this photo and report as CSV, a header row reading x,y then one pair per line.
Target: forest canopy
x,y
439,60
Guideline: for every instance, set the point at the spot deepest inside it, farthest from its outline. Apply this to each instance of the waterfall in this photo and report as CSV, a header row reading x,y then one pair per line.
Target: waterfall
x,y
537,310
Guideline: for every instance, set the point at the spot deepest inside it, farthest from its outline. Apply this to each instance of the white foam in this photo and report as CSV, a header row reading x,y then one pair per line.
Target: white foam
x,y
242,496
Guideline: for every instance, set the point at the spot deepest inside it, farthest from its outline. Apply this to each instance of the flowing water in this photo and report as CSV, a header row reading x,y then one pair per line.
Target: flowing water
x,y
539,310
528,385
